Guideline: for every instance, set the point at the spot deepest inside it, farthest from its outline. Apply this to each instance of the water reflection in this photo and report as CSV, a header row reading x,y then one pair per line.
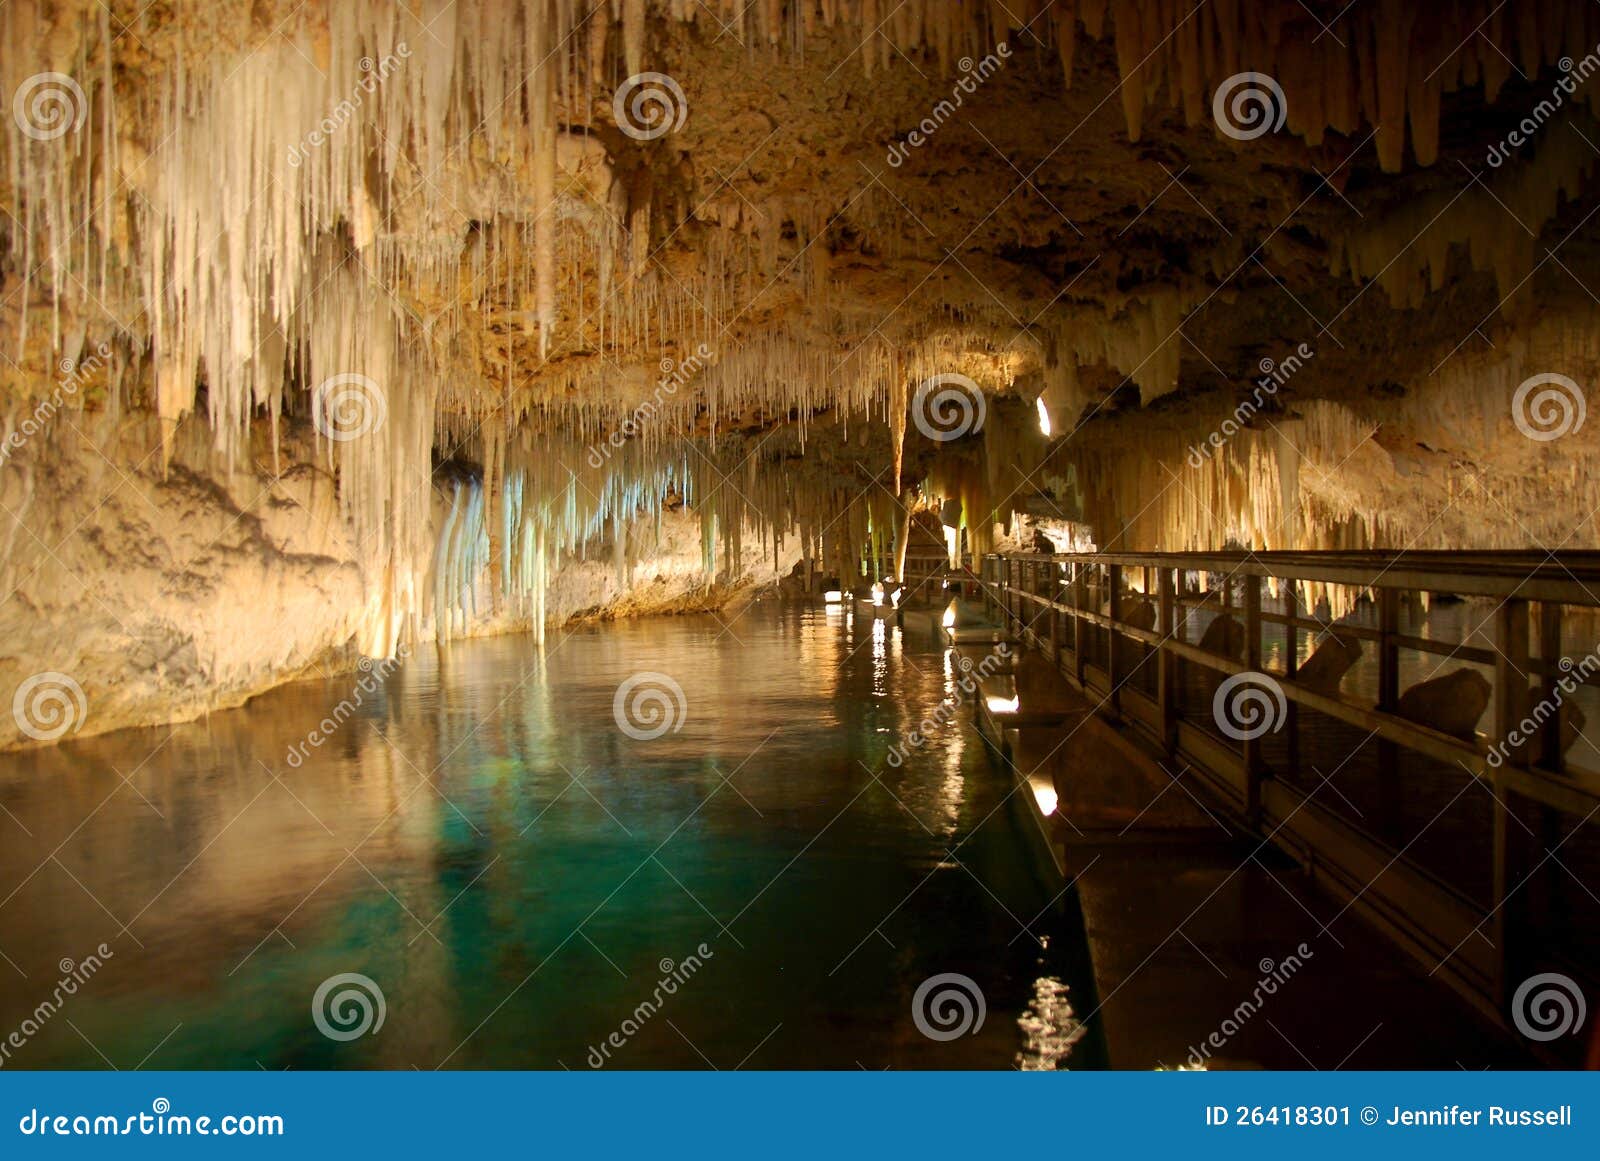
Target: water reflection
x,y
480,839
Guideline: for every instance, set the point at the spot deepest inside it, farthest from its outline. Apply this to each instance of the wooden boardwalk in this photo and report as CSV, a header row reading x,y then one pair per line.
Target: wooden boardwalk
x,y
1477,853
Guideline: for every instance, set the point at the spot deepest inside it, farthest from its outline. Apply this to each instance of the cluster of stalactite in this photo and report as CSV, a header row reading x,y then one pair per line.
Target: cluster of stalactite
x,y
260,226
1467,456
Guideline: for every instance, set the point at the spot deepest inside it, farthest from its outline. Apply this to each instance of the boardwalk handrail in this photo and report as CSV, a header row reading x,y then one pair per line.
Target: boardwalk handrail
x,y
1568,577
1074,607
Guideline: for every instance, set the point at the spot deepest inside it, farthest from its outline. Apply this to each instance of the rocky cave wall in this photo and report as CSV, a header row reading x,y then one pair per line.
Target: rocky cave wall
x,y
144,600
330,329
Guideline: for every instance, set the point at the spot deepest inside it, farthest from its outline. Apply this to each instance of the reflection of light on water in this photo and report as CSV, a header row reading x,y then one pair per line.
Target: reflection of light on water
x,y
1050,1029
880,659
950,792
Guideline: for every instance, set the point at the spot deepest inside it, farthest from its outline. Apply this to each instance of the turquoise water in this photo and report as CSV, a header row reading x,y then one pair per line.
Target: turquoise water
x,y
516,875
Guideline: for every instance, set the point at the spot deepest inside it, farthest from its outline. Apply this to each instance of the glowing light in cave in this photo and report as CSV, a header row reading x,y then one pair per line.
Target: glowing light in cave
x,y
1001,705
1044,418
949,619
952,544
1044,793
833,596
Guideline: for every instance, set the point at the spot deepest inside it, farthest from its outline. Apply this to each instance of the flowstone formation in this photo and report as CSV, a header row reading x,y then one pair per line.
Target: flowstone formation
x,y
385,323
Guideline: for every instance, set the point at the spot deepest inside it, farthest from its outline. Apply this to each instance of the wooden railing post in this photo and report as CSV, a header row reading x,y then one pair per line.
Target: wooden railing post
x,y
1113,639
1291,666
1549,748
1053,571
1389,788
1252,661
1510,708
1078,568
1167,662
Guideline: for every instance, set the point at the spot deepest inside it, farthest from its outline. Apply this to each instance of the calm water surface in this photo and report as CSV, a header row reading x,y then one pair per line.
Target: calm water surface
x,y
517,875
